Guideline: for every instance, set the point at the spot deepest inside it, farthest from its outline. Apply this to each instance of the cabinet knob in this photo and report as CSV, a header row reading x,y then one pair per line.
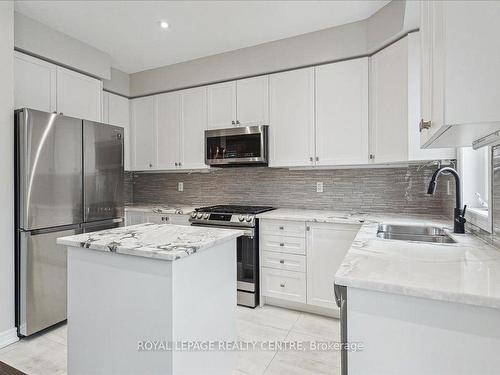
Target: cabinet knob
x,y
150,165
176,164
233,123
317,158
282,261
282,285
372,156
180,164
424,125
281,228
237,122
311,158
282,244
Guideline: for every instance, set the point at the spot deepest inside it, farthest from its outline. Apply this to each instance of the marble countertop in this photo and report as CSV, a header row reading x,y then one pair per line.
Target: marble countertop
x,y
159,241
467,271
161,208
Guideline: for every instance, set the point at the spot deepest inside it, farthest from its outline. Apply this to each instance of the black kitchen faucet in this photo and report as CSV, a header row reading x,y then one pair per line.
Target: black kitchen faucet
x,y
459,213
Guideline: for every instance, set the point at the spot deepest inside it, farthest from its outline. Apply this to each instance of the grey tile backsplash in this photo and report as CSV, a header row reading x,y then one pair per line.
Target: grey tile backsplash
x,y
372,190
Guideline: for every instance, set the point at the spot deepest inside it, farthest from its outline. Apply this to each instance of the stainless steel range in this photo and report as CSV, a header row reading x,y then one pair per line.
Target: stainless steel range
x,y
238,217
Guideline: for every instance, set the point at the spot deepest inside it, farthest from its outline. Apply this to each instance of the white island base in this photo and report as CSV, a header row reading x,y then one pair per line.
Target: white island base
x,y
118,304
406,335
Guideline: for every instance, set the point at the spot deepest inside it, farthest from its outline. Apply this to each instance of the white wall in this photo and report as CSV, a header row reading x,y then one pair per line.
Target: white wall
x,y
119,82
346,41
7,330
33,37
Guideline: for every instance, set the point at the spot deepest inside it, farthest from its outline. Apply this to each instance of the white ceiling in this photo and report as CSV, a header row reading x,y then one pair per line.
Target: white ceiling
x,y
129,31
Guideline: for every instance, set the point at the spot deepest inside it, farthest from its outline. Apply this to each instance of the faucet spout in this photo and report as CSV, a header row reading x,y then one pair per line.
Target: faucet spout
x,y
459,214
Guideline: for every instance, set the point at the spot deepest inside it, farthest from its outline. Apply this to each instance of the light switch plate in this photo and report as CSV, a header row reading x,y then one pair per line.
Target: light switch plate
x,y
319,187
180,186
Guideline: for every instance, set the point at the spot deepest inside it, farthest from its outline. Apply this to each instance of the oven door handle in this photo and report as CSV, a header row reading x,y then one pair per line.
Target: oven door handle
x,y
247,232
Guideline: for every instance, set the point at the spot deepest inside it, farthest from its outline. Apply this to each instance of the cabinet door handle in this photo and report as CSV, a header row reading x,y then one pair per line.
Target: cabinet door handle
x,y
176,164
281,228
180,164
311,158
150,165
282,261
237,122
372,156
282,244
233,123
317,158
282,285
424,125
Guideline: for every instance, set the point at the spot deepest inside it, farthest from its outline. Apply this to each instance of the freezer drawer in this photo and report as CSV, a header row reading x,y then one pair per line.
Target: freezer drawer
x,y
103,171
102,225
42,280
48,169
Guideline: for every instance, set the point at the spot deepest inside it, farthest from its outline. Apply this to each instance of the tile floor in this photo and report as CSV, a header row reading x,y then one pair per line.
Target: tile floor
x,y
45,354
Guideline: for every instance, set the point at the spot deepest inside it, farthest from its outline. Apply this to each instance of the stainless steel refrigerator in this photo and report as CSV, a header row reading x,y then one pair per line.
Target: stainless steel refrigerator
x,y
69,180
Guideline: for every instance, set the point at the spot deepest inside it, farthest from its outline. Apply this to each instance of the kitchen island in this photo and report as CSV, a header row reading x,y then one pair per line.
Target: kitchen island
x,y
150,299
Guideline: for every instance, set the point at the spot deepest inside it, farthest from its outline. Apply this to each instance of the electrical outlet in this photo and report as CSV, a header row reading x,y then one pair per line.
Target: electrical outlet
x,y
319,187
180,186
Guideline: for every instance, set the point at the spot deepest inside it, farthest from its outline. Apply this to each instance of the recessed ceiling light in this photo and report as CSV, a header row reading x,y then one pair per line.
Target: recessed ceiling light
x,y
164,24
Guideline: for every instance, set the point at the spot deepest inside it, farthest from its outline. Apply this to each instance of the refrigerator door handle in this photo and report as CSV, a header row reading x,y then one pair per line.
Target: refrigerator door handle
x,y
35,232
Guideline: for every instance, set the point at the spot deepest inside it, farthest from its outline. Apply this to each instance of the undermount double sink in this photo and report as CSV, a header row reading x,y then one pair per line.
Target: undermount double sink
x,y
413,233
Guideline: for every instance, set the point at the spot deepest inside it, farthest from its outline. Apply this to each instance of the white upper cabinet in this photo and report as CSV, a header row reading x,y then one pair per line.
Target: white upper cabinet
x,y
342,113
239,103
291,125
168,131
460,75
44,86
116,111
34,83
252,101
222,105
395,105
389,103
78,95
193,126
143,119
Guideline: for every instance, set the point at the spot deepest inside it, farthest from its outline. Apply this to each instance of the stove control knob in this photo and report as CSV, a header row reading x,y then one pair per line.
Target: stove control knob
x,y
193,214
206,216
248,218
241,218
199,215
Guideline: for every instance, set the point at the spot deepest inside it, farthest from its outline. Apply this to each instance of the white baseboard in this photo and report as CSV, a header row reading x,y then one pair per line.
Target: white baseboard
x,y
8,337
332,313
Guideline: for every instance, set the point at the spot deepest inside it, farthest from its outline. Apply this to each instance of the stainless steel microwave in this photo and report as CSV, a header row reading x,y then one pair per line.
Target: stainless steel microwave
x,y
246,145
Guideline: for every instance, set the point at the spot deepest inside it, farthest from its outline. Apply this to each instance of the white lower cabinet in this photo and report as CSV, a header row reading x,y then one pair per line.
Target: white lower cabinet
x,y
327,245
283,284
133,217
283,261
284,244
300,266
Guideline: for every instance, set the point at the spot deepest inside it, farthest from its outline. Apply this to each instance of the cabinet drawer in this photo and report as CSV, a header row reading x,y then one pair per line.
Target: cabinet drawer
x,y
283,284
283,227
283,261
284,244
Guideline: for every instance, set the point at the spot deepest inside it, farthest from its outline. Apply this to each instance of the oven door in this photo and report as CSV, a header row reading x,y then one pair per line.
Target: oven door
x,y
246,258
236,146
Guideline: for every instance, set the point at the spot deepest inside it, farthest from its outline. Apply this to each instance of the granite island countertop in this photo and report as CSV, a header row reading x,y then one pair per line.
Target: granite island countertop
x,y
159,241
467,271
